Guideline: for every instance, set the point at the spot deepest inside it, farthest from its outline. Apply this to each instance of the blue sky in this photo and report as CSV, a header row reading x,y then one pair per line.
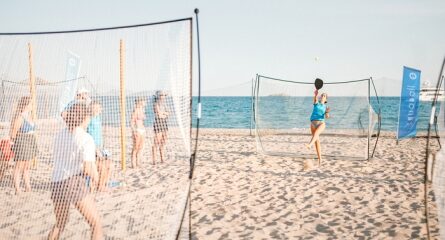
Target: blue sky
x,y
352,39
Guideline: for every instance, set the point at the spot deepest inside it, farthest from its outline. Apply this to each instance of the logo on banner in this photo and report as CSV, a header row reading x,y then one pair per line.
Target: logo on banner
x,y
409,103
68,92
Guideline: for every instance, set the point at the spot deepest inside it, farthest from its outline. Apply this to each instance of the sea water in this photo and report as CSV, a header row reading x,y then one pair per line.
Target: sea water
x,y
235,112
277,112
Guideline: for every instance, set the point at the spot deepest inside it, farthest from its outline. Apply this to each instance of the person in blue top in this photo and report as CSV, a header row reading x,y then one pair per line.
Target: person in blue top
x,y
320,112
24,142
95,125
94,128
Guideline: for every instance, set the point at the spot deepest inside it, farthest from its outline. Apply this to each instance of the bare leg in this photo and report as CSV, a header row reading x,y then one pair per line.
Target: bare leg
x,y
135,150
161,153
316,134
161,146
140,146
87,207
318,148
17,176
312,133
107,172
153,152
26,177
158,144
3,168
62,214
104,174
100,170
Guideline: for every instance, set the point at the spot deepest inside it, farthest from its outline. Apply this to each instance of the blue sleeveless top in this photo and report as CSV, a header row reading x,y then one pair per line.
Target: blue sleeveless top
x,y
27,126
95,130
318,113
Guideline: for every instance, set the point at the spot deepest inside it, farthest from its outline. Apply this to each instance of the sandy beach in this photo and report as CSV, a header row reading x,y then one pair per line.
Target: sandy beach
x,y
238,193
148,202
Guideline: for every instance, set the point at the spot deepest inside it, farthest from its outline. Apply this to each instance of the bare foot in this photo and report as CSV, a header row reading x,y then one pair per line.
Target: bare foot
x,y
308,146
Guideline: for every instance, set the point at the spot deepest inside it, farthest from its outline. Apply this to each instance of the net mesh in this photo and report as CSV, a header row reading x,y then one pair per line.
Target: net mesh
x,y
84,118
283,110
438,180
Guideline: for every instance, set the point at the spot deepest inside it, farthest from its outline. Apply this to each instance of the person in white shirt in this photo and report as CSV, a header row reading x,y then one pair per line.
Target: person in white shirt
x,y
74,159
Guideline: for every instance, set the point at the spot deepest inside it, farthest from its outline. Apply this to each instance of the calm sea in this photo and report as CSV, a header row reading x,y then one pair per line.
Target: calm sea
x,y
279,112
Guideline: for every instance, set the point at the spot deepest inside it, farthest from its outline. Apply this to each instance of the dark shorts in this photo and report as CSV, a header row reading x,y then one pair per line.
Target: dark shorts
x,y
160,125
69,191
25,147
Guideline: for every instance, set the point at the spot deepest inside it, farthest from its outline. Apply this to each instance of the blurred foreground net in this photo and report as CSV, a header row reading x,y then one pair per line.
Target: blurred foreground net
x,y
96,131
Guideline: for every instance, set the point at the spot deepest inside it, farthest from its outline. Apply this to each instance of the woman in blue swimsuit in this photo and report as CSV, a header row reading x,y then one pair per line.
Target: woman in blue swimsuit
x,y
24,142
320,112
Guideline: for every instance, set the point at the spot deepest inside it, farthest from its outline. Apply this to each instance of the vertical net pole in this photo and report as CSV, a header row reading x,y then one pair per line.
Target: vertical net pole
x,y
369,118
32,91
251,107
122,103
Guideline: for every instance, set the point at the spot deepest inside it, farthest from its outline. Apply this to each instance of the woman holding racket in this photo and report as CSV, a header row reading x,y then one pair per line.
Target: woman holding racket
x,y
320,112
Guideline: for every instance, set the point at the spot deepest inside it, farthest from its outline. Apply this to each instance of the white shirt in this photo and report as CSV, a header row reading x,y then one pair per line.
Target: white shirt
x,y
71,149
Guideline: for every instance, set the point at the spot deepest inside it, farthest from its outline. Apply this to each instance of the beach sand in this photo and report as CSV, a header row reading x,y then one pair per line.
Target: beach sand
x,y
148,203
238,193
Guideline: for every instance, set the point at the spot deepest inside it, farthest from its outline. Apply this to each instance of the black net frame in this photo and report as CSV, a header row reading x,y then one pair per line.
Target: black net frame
x,y
116,28
431,163
257,122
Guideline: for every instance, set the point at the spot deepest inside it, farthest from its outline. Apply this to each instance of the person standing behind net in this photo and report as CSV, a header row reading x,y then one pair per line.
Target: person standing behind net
x,y
24,142
160,126
81,97
95,130
138,129
319,113
74,159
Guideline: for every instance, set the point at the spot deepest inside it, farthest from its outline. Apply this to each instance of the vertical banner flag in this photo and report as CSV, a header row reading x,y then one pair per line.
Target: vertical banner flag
x,y
69,89
409,103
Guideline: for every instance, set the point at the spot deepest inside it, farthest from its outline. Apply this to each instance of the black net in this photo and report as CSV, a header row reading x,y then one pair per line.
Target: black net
x,y
283,112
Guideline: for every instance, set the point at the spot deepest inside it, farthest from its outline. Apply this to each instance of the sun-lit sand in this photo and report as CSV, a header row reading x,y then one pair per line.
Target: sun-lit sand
x,y
238,193
148,203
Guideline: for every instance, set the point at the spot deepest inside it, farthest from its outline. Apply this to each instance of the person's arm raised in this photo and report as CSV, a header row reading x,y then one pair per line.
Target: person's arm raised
x,y
315,96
